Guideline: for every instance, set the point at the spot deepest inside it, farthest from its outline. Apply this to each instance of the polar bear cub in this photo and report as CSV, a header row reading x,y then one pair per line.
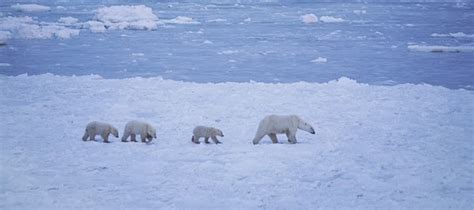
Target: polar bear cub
x,y
103,129
275,124
206,132
135,127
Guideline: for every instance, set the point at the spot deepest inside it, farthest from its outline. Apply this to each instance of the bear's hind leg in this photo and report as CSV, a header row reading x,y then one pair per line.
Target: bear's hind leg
x,y
133,137
273,137
125,136
206,140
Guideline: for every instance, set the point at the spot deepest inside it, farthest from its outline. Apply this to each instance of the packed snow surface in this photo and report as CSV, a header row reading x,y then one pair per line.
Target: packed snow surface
x,y
396,147
30,7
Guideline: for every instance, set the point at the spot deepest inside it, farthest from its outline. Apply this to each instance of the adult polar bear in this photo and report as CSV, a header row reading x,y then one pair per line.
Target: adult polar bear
x,y
135,127
287,124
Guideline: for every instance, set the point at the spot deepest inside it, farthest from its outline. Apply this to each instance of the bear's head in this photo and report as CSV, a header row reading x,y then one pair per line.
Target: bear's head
x,y
305,126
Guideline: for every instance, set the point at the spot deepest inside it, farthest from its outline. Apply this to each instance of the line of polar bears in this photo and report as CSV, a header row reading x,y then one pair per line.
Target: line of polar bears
x,y
269,125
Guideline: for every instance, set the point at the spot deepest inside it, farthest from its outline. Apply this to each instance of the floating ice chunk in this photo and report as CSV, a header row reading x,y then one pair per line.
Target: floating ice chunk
x,y
330,19
455,35
95,26
4,64
4,36
437,48
181,20
319,60
217,20
309,18
207,42
68,20
26,27
137,17
228,52
138,54
359,11
248,20
30,7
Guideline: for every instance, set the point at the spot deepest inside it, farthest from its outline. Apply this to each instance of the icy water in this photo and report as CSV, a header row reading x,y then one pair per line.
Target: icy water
x,y
259,42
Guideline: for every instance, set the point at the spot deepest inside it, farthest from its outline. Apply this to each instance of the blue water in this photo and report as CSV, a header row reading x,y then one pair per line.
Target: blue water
x,y
275,46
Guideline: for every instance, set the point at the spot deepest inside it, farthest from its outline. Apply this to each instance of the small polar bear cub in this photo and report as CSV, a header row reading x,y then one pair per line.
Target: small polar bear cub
x,y
135,127
287,124
206,132
103,129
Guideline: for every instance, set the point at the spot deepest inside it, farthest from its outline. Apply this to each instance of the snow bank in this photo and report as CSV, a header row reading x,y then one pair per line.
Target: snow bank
x,y
437,48
138,17
30,7
330,19
455,35
376,147
180,20
26,27
309,18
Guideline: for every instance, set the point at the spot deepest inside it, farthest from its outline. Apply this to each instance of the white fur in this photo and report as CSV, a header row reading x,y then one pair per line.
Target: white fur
x,y
134,127
103,129
206,132
275,124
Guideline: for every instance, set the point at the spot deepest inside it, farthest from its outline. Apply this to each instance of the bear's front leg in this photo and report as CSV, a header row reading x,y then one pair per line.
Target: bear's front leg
x,y
206,140
216,141
105,136
292,139
196,140
86,135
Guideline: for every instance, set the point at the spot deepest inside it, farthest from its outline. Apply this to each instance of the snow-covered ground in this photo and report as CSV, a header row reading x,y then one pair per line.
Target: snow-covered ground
x,y
397,135
401,146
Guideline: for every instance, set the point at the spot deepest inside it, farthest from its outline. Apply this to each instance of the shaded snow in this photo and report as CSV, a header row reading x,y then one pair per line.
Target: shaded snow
x,y
396,147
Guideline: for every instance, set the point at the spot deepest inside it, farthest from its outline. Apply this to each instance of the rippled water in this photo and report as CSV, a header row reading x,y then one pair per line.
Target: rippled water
x,y
260,42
